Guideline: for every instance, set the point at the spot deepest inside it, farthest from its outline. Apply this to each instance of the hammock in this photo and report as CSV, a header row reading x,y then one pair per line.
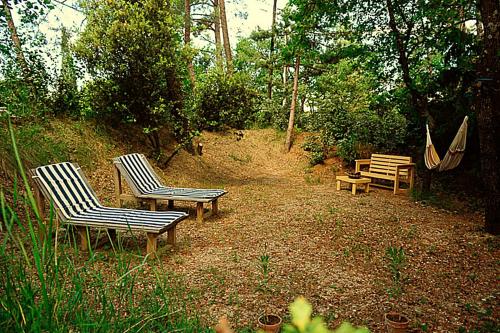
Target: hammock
x,y
454,154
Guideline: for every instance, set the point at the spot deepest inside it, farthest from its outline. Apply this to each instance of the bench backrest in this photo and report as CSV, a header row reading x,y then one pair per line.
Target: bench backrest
x,y
386,164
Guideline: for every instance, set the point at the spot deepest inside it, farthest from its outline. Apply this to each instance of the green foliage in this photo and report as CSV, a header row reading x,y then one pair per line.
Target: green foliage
x,y
66,95
315,149
47,286
349,116
24,87
224,101
134,53
397,260
301,310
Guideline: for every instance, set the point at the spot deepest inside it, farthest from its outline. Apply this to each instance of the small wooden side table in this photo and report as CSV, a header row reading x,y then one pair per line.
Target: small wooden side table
x,y
354,183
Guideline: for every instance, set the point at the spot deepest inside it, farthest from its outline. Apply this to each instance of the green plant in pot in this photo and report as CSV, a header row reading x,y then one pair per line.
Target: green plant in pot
x,y
268,322
396,322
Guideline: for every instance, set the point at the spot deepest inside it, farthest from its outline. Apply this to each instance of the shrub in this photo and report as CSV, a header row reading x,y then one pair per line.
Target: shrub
x,y
222,100
348,116
315,149
134,53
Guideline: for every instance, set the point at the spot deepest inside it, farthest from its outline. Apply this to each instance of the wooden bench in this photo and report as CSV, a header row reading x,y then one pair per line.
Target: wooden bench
x,y
388,167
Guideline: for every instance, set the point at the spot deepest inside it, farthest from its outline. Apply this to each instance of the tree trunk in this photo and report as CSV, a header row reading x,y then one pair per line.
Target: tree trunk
x,y
402,56
218,43
225,37
187,39
21,60
488,117
285,76
271,52
291,120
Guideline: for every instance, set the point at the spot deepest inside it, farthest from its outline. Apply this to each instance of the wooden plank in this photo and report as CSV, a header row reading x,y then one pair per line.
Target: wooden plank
x,y
381,176
392,157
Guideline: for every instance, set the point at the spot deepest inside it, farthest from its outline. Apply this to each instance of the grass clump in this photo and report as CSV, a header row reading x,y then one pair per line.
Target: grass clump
x,y
50,287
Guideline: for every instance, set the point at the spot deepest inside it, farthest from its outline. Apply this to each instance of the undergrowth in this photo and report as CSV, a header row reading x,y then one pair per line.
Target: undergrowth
x,y
48,285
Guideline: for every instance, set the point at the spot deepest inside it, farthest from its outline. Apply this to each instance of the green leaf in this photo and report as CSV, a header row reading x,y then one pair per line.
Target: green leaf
x,y
301,311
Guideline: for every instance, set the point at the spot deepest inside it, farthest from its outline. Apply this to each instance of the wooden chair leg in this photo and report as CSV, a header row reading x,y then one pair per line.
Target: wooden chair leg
x,y
170,204
215,207
171,236
152,243
412,178
118,187
396,186
338,185
354,187
83,235
199,211
152,204
367,187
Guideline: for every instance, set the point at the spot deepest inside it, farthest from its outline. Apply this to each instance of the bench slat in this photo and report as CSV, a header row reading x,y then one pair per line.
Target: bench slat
x,y
391,157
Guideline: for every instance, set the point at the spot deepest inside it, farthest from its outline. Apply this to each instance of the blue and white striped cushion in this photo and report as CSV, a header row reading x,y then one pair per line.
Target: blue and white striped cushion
x,y
143,179
148,183
79,205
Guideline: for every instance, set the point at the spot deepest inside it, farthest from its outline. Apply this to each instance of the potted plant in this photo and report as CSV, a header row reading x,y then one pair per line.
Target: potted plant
x,y
270,323
396,322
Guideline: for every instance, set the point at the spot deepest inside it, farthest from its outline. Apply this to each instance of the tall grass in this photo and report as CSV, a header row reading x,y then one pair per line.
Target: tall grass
x,y
47,285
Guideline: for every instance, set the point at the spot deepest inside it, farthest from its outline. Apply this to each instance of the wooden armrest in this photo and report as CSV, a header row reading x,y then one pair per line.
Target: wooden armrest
x,y
359,163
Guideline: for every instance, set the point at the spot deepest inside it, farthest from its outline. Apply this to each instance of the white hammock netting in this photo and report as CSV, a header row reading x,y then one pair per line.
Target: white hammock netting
x,y
453,155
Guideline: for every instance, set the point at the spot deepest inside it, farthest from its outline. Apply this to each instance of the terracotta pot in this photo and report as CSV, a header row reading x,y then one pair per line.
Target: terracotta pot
x,y
270,323
396,322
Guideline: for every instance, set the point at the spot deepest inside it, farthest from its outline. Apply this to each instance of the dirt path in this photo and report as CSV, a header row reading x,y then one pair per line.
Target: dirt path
x,y
324,244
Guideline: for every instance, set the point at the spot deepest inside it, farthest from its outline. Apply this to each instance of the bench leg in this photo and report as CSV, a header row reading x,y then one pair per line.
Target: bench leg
x,y
152,205
215,207
170,204
354,187
412,178
396,185
152,243
171,236
83,235
367,187
338,185
199,211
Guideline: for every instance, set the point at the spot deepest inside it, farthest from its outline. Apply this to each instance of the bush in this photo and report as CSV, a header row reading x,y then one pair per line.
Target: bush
x,y
134,53
315,149
222,100
348,116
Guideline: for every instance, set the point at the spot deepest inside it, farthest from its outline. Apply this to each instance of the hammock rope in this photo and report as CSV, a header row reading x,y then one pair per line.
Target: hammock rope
x,y
454,154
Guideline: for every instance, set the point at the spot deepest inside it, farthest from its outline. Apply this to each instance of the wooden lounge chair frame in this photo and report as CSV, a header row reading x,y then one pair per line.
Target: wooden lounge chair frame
x,y
389,167
153,199
42,196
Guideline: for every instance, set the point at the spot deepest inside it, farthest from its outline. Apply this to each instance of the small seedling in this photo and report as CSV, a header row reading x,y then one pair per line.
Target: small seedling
x,y
397,259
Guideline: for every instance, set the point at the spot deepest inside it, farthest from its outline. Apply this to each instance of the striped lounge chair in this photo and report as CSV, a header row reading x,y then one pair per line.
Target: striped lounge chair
x,y
146,186
76,204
